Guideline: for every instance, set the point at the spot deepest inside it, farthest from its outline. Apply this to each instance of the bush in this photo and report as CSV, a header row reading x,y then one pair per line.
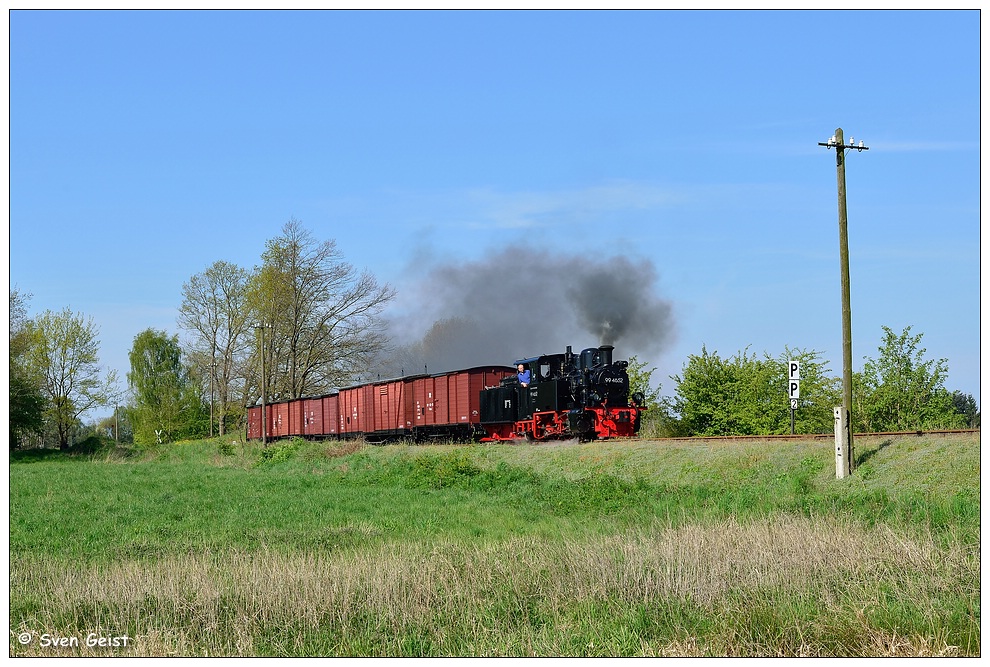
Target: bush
x,y
443,470
660,422
91,445
280,452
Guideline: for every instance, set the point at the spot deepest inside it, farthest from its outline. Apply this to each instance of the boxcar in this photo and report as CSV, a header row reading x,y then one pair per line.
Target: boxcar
x,y
448,404
350,420
286,419
331,415
312,417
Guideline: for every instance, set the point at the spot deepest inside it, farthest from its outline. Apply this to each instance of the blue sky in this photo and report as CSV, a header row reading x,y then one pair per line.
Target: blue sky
x,y
144,146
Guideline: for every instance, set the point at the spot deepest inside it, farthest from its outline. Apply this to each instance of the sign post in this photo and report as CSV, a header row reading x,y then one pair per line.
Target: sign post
x,y
793,387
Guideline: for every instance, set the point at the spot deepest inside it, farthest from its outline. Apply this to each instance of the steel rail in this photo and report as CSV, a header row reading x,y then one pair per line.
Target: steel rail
x,y
813,436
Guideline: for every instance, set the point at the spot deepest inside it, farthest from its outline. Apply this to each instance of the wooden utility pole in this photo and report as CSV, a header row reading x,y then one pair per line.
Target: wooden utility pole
x,y
213,372
264,434
844,445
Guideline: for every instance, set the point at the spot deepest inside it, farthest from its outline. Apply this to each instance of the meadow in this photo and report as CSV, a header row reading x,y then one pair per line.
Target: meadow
x,y
634,548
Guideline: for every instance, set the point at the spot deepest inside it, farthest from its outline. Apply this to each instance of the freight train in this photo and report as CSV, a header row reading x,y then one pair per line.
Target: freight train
x,y
584,396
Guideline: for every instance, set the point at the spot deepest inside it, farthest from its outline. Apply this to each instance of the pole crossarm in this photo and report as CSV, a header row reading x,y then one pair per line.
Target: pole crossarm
x,y
829,144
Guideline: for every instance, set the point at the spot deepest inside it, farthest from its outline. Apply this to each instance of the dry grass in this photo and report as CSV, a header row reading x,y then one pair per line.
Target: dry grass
x,y
686,591
338,448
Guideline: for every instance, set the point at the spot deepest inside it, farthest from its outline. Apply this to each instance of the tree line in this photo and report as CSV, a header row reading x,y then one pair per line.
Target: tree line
x,y
747,394
304,322
301,323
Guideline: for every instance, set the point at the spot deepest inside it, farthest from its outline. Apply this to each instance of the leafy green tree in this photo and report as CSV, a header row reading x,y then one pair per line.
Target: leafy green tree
x,y
166,404
707,390
903,391
747,394
759,399
641,380
320,316
965,406
27,402
821,391
64,352
660,419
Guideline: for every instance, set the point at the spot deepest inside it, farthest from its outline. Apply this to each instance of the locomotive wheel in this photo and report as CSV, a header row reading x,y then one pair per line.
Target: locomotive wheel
x,y
583,427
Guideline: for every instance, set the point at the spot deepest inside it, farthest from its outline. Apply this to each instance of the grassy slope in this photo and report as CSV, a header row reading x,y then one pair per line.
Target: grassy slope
x,y
645,548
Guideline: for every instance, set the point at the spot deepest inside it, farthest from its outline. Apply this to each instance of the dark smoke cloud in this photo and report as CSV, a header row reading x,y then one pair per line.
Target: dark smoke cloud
x,y
523,303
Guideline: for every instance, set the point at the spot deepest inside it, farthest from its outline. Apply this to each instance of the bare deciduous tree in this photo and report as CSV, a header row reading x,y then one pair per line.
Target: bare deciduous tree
x,y
321,316
214,311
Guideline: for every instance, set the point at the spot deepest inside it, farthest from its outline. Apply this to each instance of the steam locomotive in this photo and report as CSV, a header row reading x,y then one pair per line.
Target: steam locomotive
x,y
583,396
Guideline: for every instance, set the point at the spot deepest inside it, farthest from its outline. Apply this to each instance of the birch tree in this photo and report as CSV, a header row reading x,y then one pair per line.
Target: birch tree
x,y
166,404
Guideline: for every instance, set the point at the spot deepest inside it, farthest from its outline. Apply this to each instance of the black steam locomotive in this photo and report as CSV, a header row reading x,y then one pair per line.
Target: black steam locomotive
x,y
582,396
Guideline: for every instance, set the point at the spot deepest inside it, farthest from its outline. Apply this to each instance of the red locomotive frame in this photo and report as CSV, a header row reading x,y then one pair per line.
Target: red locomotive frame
x,y
604,422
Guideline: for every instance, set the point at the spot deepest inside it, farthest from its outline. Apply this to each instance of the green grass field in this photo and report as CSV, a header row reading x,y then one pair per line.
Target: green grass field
x,y
632,548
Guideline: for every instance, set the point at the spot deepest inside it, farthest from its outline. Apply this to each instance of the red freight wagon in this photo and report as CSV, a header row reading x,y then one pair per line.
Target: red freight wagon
x,y
348,417
389,405
357,410
301,417
423,402
312,417
467,387
331,415
254,431
449,403
254,423
286,419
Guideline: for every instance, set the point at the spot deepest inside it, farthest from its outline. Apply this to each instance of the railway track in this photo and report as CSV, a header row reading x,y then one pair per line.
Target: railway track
x,y
814,436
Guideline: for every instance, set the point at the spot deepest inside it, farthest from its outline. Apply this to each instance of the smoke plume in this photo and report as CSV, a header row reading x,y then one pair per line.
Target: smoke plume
x,y
522,303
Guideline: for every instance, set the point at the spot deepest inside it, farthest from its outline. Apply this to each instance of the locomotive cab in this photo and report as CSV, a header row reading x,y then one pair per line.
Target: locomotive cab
x,y
548,390
544,369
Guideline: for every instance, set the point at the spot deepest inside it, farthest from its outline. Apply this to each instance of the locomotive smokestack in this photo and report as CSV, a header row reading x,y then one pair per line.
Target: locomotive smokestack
x,y
606,351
